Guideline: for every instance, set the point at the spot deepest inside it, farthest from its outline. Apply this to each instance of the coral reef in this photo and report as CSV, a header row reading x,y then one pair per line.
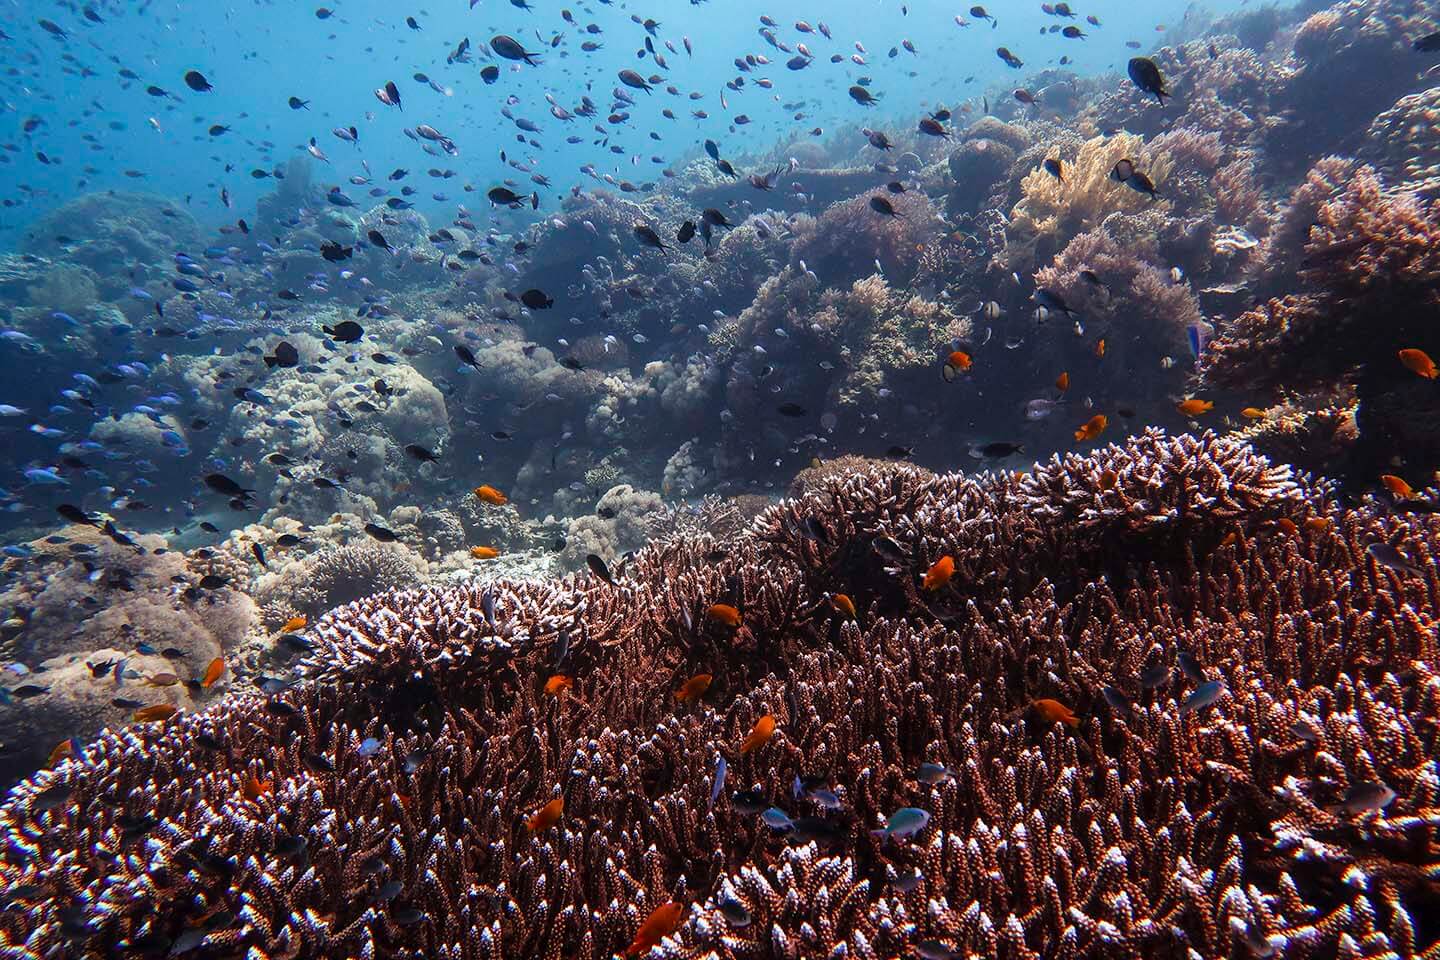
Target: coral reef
x,y
1052,211
81,598
624,519
1275,794
845,242
1402,145
332,577
1370,272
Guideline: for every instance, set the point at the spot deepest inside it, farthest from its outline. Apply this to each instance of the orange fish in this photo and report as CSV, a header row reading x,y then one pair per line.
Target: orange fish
x,y
1253,413
295,623
558,683
694,688
1398,488
1287,526
491,496
65,748
1093,427
1100,348
724,613
1053,711
212,673
663,921
1108,479
547,816
939,573
1062,382
1194,406
843,604
156,711
760,734
1418,362
960,360
255,788
484,553
1317,524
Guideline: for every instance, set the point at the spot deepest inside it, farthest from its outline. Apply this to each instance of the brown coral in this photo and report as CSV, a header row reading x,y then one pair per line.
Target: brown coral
x,y
1156,825
849,238
1372,272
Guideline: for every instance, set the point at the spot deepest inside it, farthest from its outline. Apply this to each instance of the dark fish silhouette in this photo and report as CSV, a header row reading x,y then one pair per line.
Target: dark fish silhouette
x,y
1147,77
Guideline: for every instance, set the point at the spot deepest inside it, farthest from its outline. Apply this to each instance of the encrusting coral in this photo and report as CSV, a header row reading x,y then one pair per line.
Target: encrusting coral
x,y
1275,794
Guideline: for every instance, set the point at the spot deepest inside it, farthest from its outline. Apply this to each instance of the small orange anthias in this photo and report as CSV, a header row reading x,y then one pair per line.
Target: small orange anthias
x,y
939,573
694,688
724,613
1053,711
558,684
255,788
663,921
843,604
547,816
1397,486
759,735
1093,427
490,495
1419,363
1194,406
154,712
212,673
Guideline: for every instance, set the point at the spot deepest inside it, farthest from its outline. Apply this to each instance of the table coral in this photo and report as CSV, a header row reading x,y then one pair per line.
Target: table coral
x,y
378,807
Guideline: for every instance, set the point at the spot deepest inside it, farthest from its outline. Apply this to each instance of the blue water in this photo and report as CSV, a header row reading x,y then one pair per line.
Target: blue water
x,y
95,126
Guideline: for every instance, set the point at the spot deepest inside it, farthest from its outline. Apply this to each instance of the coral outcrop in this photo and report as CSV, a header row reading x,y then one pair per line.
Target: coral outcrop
x,y
1249,767
1370,269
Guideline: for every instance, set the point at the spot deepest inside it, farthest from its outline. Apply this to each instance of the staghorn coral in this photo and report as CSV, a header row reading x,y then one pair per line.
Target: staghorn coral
x,y
1150,828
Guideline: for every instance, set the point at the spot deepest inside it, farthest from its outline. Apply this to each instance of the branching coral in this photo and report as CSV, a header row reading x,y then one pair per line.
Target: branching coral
x,y
1311,439
1141,312
378,808
1372,262
1365,39
1052,211
1371,272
